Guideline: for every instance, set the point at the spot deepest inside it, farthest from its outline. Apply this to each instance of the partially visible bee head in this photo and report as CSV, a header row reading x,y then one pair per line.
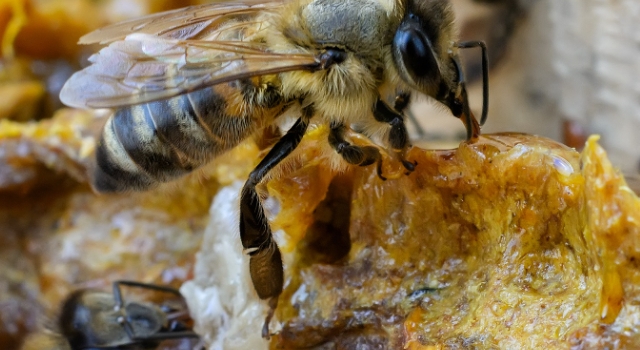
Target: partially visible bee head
x,y
422,43
91,318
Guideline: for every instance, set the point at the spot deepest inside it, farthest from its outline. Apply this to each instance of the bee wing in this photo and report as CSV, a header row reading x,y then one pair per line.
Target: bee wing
x,y
177,52
181,23
139,70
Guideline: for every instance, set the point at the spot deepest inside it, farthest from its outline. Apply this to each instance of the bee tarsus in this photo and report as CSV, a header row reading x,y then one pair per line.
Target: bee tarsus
x,y
398,136
352,154
273,304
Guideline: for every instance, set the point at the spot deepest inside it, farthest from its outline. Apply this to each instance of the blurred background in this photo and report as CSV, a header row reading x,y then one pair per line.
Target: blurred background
x,y
562,69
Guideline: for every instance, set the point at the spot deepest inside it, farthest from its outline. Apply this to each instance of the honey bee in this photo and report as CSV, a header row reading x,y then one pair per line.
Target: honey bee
x,y
192,83
92,319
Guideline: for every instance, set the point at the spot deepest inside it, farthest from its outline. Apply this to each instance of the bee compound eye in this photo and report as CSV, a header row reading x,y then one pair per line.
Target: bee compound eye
x,y
143,319
415,54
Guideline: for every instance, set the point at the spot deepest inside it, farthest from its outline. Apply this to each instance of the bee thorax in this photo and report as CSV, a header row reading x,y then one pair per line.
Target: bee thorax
x,y
359,26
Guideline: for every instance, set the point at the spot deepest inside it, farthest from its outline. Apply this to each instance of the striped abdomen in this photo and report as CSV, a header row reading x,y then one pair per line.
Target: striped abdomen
x,y
160,141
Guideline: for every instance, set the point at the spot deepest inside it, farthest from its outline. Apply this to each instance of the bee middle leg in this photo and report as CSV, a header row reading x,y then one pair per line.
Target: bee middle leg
x,y
353,154
398,136
265,264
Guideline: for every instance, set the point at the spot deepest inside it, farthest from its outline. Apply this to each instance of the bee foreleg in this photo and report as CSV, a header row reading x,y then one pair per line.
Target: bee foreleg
x,y
398,136
265,264
353,154
401,104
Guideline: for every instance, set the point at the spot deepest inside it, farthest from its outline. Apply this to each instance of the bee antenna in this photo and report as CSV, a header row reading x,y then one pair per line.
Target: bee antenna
x,y
485,74
459,103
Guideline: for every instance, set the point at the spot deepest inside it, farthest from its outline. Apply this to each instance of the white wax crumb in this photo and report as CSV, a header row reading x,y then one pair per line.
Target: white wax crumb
x,y
227,312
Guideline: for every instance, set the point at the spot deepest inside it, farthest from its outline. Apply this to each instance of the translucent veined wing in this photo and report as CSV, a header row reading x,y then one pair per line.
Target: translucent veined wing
x,y
175,52
182,23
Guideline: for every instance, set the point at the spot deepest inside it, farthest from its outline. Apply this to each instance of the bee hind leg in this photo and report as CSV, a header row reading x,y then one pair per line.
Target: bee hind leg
x,y
265,264
353,154
398,136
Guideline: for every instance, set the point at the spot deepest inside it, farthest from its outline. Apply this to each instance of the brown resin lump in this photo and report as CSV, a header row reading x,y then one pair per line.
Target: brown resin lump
x,y
491,245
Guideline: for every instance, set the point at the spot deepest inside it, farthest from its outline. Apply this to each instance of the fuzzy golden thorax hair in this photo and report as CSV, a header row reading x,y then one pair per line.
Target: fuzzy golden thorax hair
x,y
347,91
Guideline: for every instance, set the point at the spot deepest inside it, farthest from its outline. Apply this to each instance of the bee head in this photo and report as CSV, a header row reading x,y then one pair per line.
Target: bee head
x,y
84,319
421,44
89,319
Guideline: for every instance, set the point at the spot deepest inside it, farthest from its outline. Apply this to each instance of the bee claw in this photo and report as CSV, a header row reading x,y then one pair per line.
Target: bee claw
x,y
379,171
410,166
273,304
265,331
